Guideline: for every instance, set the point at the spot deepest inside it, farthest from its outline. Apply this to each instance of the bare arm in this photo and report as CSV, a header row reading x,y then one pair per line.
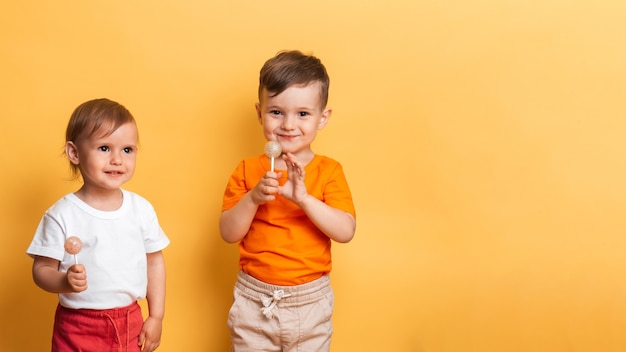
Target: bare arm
x,y
235,222
337,224
150,336
46,275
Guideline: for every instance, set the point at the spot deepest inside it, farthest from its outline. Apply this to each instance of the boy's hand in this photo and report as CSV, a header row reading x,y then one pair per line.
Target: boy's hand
x,y
76,278
294,189
267,188
150,336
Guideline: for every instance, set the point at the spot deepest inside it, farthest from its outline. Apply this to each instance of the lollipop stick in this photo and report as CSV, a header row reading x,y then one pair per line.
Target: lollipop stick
x,y
272,163
75,259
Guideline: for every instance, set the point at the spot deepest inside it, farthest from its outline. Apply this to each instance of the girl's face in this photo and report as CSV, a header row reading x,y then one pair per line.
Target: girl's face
x,y
293,117
106,162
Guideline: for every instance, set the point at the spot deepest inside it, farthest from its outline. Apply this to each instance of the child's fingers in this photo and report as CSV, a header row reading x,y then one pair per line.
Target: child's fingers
x,y
142,338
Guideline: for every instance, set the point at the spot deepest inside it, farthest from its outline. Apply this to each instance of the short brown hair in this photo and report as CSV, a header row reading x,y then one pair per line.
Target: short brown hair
x,y
293,67
95,116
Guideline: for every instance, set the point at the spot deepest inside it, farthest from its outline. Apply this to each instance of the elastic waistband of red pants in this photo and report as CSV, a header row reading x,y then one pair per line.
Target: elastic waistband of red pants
x,y
113,312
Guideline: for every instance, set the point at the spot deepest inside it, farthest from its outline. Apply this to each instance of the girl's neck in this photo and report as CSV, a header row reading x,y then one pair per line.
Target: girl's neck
x,y
104,200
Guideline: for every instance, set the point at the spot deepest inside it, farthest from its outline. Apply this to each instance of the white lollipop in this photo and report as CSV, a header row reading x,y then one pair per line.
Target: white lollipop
x,y
273,150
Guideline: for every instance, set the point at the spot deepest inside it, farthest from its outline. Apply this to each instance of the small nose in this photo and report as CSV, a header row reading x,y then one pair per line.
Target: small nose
x,y
288,122
116,159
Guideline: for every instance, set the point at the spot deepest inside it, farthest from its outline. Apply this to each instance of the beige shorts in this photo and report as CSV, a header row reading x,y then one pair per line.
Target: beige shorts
x,y
268,318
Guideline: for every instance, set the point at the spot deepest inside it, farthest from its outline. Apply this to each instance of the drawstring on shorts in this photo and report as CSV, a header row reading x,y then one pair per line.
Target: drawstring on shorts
x,y
288,296
117,333
269,302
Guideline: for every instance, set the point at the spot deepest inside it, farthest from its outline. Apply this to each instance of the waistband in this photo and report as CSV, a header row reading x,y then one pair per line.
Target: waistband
x,y
289,295
121,312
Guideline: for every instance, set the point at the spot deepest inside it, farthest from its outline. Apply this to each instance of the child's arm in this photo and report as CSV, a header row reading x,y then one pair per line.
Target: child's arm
x,y
46,275
337,224
150,336
235,222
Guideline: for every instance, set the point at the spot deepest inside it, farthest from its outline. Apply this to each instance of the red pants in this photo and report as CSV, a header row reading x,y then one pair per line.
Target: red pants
x,y
89,330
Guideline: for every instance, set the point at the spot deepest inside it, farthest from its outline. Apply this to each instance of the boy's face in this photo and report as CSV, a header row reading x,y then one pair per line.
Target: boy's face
x,y
107,162
293,117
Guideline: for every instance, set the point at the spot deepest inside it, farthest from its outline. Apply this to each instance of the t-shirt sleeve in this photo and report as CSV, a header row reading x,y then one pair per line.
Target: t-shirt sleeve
x,y
49,239
155,238
236,187
337,192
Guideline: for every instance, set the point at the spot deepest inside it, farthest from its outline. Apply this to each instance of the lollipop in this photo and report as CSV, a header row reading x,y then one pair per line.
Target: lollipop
x,y
73,245
273,150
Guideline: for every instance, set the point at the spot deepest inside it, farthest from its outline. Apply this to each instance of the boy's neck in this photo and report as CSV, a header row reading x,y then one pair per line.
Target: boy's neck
x,y
305,160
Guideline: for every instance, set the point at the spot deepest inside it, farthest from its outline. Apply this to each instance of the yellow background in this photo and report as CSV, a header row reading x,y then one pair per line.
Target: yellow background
x,y
483,142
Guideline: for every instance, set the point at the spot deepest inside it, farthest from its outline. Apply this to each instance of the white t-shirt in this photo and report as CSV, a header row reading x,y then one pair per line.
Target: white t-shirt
x,y
114,248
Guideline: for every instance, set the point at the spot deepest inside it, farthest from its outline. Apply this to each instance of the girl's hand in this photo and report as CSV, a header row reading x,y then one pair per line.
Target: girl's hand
x,y
150,336
294,189
76,278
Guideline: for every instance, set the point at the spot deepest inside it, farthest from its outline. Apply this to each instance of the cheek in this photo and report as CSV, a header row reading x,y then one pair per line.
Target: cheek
x,y
269,128
311,129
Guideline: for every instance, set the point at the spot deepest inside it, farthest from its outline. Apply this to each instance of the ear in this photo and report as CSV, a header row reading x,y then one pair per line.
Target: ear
x,y
325,117
72,152
257,106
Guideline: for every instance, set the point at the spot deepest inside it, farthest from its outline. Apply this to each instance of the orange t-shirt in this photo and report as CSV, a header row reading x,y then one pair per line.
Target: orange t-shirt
x,y
283,247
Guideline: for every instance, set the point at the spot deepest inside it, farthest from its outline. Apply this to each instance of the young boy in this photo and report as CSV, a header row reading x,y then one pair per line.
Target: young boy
x,y
284,221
